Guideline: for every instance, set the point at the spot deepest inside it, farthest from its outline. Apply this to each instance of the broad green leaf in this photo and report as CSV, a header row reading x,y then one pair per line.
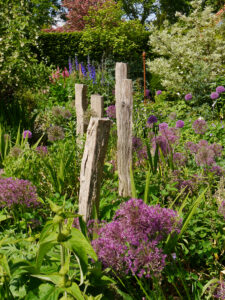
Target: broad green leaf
x,y
45,291
75,291
55,278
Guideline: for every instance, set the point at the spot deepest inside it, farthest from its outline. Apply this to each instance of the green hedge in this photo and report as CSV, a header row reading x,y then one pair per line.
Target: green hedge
x,y
56,48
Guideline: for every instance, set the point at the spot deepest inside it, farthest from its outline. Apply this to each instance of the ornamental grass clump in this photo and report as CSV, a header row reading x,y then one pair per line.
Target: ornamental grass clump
x,y
17,193
132,242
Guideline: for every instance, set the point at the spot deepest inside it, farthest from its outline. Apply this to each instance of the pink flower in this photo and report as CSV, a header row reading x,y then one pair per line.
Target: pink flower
x,y
65,73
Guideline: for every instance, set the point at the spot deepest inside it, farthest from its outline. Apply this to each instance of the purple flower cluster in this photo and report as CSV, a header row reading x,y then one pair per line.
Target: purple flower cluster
x,y
130,243
188,97
166,138
42,150
220,89
136,143
205,153
17,192
219,292
151,120
27,133
179,159
111,112
200,126
179,124
214,95
159,92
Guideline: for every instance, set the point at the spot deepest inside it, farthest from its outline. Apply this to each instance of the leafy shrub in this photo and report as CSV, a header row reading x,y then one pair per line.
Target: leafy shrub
x,y
190,53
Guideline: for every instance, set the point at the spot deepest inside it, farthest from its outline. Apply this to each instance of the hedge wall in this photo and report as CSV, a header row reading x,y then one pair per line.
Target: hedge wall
x,y
56,48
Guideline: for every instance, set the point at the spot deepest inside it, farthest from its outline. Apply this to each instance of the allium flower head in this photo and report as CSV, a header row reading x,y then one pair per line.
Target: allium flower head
x,y
200,126
147,94
152,119
57,111
111,111
179,159
205,157
188,97
16,151
163,126
179,124
172,115
192,147
66,114
159,92
17,192
214,95
220,89
55,133
136,143
219,292
27,133
131,242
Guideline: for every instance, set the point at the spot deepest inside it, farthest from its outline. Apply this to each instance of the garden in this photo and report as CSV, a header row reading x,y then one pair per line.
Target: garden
x,y
155,222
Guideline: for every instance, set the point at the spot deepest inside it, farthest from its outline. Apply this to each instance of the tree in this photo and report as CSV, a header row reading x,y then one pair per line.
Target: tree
x,y
190,53
76,11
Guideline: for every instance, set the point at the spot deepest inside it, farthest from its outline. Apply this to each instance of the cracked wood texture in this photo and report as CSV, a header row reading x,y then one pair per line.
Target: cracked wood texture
x,y
97,106
81,104
92,165
124,108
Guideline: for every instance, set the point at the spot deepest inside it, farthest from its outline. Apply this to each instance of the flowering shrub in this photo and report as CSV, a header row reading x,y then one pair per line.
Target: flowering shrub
x,y
132,241
17,192
111,111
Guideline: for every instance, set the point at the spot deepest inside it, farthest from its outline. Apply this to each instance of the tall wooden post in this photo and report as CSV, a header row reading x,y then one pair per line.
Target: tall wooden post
x,y
97,106
92,165
124,107
81,104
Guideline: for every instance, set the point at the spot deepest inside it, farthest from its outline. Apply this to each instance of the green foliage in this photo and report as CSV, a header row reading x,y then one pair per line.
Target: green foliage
x,y
190,54
56,48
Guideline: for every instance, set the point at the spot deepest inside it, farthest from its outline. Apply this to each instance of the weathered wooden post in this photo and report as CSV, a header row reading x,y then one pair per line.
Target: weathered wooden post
x,y
81,104
97,106
92,165
124,108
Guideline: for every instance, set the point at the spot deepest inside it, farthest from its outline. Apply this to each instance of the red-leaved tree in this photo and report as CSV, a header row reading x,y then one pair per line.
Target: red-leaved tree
x,y
77,10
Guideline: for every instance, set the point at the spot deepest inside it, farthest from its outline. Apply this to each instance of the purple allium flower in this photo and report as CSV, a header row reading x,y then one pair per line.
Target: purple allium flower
x,y
219,292
66,114
200,126
111,111
159,92
179,159
147,94
188,97
142,155
205,157
214,95
136,143
179,124
163,126
162,143
217,170
27,133
152,119
42,150
17,192
220,89
131,242
192,147
55,133
217,149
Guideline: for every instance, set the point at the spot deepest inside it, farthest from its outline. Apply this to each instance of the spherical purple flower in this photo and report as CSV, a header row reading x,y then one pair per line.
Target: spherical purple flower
x,y
111,111
159,92
163,126
214,95
188,97
200,126
179,124
152,119
220,89
147,94
205,157
27,133
136,143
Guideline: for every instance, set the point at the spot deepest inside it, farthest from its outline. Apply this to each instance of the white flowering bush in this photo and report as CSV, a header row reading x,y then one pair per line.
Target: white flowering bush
x,y
189,54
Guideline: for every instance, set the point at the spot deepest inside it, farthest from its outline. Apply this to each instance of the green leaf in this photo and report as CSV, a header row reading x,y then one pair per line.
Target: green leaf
x,y
54,277
82,248
75,291
133,188
45,291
